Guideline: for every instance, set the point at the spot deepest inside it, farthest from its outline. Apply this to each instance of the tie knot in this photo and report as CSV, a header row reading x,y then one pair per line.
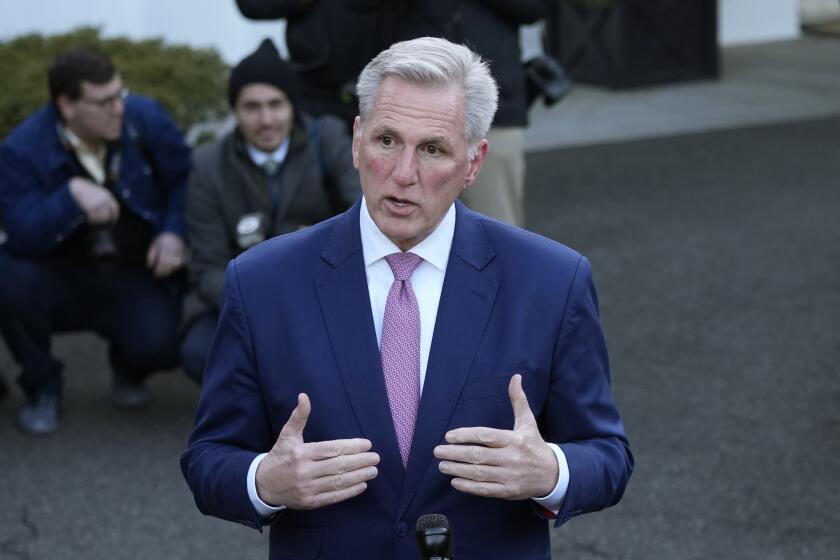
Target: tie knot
x,y
270,167
403,264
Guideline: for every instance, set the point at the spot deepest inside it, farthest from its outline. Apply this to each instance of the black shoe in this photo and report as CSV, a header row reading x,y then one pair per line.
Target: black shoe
x,y
4,388
40,418
129,394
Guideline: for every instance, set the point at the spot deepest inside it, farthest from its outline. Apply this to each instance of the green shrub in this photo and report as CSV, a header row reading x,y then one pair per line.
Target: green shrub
x,y
189,82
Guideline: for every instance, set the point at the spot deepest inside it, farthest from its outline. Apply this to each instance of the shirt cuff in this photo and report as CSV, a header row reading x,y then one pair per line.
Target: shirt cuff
x,y
554,501
263,509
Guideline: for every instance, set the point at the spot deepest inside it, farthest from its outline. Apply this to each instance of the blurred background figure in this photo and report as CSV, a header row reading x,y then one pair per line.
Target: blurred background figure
x,y
490,28
330,41
91,196
277,171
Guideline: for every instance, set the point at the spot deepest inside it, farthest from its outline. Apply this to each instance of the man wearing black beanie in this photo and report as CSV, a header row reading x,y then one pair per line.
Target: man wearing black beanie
x,y
279,170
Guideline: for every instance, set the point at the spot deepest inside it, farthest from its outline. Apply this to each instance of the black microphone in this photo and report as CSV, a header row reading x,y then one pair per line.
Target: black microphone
x,y
434,536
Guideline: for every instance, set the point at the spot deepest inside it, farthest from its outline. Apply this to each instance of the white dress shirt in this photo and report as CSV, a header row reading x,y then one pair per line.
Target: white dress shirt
x,y
427,282
278,156
91,158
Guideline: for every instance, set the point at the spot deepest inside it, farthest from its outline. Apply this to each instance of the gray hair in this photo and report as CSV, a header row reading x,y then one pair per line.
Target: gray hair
x,y
429,61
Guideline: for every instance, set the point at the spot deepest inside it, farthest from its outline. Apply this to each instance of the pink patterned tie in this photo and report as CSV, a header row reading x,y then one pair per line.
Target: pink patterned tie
x,y
400,349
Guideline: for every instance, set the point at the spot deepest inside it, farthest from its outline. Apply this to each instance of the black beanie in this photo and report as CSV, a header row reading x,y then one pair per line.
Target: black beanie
x,y
263,66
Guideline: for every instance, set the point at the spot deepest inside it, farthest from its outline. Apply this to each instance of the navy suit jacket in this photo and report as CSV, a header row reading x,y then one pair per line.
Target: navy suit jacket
x,y
296,317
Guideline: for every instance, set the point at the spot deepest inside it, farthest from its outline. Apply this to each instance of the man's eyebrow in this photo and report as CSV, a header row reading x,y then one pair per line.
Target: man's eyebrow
x,y
384,130
443,140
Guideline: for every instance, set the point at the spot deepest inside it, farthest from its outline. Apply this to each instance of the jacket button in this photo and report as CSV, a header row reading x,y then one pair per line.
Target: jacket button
x,y
401,530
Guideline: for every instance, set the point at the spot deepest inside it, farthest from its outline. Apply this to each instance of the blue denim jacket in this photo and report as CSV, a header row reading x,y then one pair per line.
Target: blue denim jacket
x,y
36,207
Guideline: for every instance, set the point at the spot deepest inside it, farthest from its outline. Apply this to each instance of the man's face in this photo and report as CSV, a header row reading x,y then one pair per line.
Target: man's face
x,y
411,154
97,115
264,116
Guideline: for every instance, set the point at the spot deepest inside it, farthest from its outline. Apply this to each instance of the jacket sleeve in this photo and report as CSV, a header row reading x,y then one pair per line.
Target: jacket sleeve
x,y
208,235
37,216
582,417
165,144
232,426
522,12
336,144
274,9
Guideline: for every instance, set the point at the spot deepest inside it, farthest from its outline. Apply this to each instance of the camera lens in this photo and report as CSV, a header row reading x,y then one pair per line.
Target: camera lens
x,y
101,244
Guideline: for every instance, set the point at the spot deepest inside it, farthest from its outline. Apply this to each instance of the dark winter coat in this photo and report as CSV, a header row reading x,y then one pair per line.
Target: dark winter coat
x,y
317,180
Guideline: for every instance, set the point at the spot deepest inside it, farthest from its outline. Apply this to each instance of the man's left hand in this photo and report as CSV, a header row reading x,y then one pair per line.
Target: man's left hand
x,y
510,464
166,254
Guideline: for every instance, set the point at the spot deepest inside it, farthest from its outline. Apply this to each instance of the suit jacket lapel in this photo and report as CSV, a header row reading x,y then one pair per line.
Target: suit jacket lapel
x,y
343,295
465,304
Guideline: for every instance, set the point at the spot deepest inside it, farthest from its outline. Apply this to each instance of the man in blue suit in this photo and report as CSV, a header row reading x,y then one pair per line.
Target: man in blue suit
x,y
409,356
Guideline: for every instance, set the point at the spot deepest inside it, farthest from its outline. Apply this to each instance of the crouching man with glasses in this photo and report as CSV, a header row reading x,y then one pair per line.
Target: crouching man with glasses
x,y
92,191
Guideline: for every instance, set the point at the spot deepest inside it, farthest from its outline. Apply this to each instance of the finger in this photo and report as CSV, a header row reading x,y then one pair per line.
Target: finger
x,y
103,207
111,208
114,206
165,264
170,256
297,421
474,454
97,216
522,415
477,473
177,255
484,436
484,489
162,268
321,450
344,464
338,482
335,497
152,254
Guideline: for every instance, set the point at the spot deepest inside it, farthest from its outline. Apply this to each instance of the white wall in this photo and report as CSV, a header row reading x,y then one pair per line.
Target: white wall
x,y
200,23
218,23
752,21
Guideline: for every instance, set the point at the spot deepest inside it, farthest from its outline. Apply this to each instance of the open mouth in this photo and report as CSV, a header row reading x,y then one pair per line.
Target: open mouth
x,y
399,202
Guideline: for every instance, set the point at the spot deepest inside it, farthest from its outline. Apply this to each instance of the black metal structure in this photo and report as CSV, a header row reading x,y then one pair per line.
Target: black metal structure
x,y
631,43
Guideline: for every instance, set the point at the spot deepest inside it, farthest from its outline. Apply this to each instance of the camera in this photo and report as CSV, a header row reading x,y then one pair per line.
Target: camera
x,y
544,76
101,244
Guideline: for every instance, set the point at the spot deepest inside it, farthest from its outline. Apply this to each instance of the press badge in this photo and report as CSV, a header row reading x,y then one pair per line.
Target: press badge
x,y
250,230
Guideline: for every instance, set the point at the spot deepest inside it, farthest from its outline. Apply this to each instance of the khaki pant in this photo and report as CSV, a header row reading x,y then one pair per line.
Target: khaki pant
x,y
500,187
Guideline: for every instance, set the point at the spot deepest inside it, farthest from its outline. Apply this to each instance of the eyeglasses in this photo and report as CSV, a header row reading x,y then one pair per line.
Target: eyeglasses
x,y
108,102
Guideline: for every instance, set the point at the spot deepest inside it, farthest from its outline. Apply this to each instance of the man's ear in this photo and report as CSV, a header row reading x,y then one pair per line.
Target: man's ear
x,y
476,162
66,107
357,138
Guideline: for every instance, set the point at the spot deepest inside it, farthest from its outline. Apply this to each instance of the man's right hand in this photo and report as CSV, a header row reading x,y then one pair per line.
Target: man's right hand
x,y
302,475
97,202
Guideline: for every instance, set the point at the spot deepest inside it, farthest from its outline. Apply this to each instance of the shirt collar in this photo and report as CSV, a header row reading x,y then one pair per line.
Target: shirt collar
x,y
434,249
259,157
80,146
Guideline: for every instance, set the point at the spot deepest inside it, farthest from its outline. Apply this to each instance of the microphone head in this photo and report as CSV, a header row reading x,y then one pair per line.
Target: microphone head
x,y
433,535
432,521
